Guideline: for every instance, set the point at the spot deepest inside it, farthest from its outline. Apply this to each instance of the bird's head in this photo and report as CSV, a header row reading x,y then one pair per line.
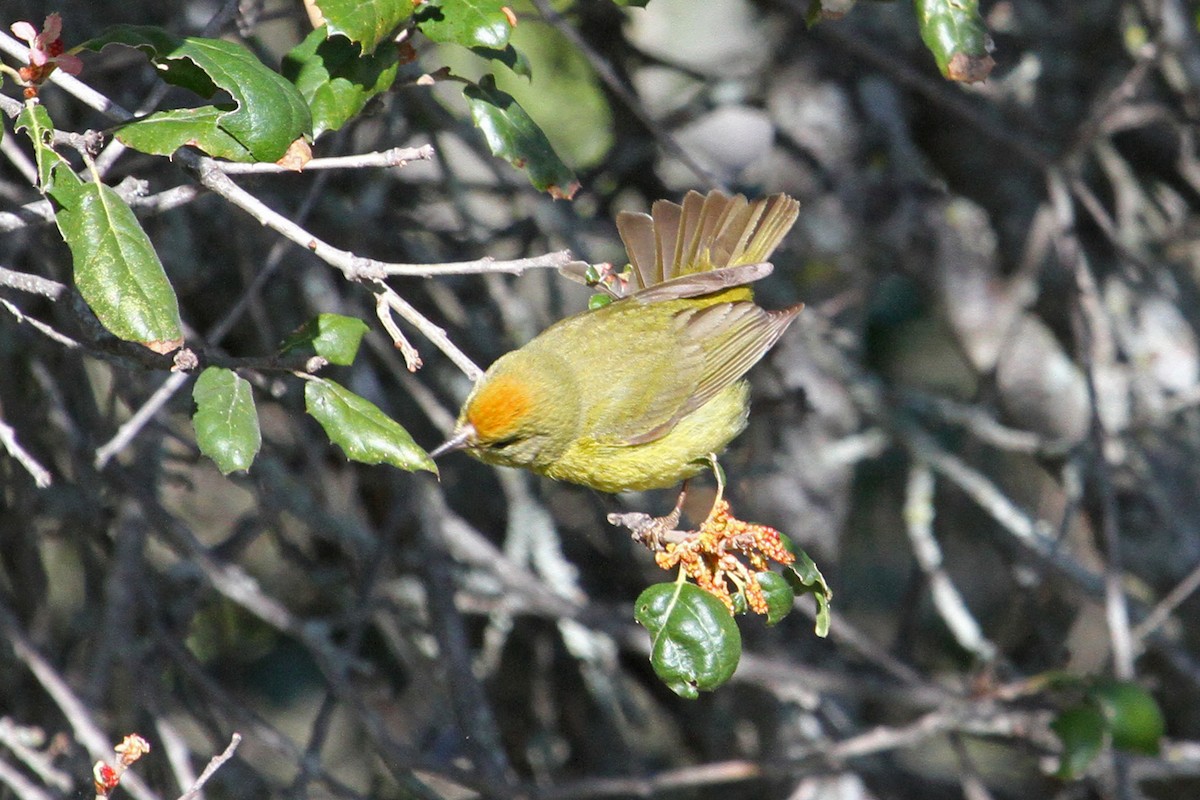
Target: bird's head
x,y
522,413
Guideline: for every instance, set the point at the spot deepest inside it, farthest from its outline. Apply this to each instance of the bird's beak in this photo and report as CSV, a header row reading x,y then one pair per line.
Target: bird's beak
x,y
458,441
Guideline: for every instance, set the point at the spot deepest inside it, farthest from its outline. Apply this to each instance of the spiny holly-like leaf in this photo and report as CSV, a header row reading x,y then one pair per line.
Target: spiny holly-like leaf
x,y
1081,730
116,269
954,32
226,421
336,79
470,23
512,135
1134,718
695,644
779,595
367,22
364,432
331,336
268,112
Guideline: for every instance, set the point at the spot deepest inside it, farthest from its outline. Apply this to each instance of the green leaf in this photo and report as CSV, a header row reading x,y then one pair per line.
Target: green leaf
x,y
695,644
805,578
116,269
1081,729
1134,718
470,23
779,595
364,432
268,113
633,3
367,22
512,135
164,132
335,79
35,121
955,33
332,336
226,421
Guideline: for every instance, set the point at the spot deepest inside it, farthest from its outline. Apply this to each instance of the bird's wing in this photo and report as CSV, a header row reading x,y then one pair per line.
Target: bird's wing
x,y
731,338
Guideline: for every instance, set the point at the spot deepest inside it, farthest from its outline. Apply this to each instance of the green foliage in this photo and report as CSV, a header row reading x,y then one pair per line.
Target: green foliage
x,y
1134,719
365,433
1121,713
512,135
335,79
695,643
1081,730
267,115
470,23
779,594
561,78
805,578
334,337
366,22
226,421
955,33
116,268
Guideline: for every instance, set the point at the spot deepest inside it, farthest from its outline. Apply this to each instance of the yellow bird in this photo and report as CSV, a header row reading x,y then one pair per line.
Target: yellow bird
x,y
637,394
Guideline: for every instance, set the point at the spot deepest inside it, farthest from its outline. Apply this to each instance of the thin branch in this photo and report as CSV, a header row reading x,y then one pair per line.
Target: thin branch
x,y
33,284
87,730
918,516
8,440
213,765
432,332
22,741
395,157
140,419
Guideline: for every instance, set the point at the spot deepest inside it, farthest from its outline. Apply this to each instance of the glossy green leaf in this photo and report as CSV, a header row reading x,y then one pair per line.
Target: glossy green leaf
x,y
335,79
226,421
1134,718
955,33
512,135
164,132
116,269
367,22
1081,730
332,336
364,432
695,643
268,113
470,23
779,594
805,578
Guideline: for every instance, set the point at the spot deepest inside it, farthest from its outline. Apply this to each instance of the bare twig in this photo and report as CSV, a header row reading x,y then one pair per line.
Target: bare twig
x,y
395,157
8,440
213,765
918,514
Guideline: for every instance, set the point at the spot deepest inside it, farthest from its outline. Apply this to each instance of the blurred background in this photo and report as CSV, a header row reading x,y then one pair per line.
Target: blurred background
x,y
983,428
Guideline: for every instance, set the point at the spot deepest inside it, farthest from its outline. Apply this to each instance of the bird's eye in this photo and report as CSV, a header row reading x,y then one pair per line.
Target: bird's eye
x,y
507,441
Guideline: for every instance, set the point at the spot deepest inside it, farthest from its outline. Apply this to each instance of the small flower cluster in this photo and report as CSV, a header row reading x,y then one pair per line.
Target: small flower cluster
x,y
107,776
46,53
709,556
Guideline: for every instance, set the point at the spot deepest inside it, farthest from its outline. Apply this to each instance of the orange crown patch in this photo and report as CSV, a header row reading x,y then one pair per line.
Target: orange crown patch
x,y
499,407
